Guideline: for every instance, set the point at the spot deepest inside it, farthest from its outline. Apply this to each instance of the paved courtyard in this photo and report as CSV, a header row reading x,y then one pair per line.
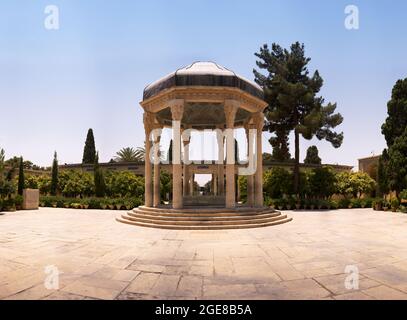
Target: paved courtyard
x,y
99,258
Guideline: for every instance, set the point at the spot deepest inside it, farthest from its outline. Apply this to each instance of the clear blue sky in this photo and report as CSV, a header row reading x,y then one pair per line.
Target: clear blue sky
x,y
90,73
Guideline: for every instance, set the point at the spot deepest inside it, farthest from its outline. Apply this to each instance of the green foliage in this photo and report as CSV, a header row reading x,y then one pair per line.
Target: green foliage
x,y
21,180
124,184
322,182
312,156
31,182
396,170
91,203
280,144
7,187
292,95
242,185
395,203
54,175
165,185
397,113
98,178
403,195
130,155
354,183
277,182
74,183
89,151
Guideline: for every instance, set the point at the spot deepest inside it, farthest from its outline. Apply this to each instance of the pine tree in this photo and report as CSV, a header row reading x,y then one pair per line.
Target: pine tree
x,y
312,156
280,143
54,174
21,185
292,97
99,180
89,151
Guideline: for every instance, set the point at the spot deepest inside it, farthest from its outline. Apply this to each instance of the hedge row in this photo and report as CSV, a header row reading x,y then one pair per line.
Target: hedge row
x,y
91,203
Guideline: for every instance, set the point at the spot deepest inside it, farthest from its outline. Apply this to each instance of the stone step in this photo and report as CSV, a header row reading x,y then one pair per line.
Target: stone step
x,y
185,222
203,227
201,213
202,210
190,216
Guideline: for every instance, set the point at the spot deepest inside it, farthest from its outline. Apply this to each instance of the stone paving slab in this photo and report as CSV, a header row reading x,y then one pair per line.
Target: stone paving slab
x,y
99,258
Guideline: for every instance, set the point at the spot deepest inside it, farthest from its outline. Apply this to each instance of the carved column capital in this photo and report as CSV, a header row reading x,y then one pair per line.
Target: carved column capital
x,y
230,107
258,120
148,120
177,109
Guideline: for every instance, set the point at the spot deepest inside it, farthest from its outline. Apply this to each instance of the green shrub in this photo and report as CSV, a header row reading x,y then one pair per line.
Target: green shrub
x,y
377,204
9,204
395,203
343,203
403,196
95,203
18,200
355,203
366,203
334,204
277,182
322,182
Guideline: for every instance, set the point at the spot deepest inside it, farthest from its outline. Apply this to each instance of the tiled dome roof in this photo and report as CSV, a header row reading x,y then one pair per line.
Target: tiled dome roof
x,y
203,74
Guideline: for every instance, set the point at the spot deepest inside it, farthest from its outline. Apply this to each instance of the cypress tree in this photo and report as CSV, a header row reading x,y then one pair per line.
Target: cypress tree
x,y
54,174
21,185
312,156
89,151
396,119
99,180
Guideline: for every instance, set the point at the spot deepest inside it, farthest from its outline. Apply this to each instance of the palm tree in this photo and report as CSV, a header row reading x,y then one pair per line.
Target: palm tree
x,y
140,153
130,155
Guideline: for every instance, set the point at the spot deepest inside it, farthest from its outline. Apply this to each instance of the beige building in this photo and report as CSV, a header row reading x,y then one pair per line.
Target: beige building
x,y
365,164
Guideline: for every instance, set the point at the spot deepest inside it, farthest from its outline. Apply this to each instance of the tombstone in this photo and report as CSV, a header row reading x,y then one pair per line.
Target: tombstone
x,y
31,199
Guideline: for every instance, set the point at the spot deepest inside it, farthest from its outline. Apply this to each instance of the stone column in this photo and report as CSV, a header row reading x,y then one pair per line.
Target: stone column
x,y
221,168
148,192
258,178
250,178
215,184
177,110
231,107
191,184
157,195
186,176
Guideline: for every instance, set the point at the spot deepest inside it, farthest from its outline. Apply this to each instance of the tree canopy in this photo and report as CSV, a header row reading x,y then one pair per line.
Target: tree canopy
x,y
293,101
130,154
89,151
312,156
396,119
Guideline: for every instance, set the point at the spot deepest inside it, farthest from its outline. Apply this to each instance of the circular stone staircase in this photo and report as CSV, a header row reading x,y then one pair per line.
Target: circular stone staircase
x,y
209,218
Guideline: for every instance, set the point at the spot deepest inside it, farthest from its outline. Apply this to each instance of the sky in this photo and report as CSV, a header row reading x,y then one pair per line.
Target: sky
x,y
91,72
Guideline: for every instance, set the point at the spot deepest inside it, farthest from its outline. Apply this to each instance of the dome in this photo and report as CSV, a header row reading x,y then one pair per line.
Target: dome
x,y
203,74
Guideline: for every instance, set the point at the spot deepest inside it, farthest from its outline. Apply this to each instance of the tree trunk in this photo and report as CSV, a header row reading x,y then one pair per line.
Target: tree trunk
x,y
297,163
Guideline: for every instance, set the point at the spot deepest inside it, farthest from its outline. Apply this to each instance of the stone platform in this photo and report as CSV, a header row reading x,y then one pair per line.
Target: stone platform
x,y
203,218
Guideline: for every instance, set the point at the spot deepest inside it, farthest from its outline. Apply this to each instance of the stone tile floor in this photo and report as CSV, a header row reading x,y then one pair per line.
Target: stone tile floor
x,y
99,258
